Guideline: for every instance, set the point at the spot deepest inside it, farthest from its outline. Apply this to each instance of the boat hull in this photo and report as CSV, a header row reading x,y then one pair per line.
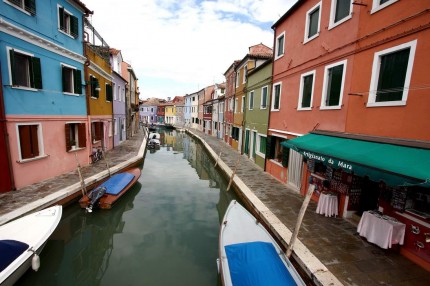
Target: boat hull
x,y
34,230
241,231
107,200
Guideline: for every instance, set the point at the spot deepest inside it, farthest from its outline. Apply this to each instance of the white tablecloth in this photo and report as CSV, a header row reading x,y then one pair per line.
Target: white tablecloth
x,y
327,205
382,232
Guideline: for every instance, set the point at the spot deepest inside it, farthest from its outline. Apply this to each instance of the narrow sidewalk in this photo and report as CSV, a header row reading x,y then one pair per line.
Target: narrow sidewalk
x,y
48,192
329,246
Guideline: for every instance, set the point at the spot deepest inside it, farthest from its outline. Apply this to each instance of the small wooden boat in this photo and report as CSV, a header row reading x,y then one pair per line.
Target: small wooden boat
x,y
154,135
22,240
106,194
249,255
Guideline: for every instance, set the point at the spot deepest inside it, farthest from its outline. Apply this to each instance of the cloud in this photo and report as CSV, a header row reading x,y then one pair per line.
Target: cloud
x,y
176,47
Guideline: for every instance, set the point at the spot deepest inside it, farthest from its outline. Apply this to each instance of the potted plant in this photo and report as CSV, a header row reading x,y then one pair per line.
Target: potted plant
x,y
73,144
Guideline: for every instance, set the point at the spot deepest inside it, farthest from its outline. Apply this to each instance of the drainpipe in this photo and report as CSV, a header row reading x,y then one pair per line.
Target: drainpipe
x,y
6,135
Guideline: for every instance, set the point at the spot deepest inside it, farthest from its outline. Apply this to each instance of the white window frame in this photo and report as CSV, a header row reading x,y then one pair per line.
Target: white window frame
x,y
325,83
273,96
332,24
376,6
73,81
266,87
10,69
375,75
115,126
22,9
237,78
69,24
278,53
235,105
299,105
257,147
39,139
251,95
242,106
307,39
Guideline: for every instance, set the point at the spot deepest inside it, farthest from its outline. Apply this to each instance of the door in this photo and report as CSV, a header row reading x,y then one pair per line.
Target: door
x,y
295,167
246,149
253,143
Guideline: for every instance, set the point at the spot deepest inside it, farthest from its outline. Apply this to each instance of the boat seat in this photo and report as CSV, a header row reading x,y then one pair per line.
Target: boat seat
x,y
10,250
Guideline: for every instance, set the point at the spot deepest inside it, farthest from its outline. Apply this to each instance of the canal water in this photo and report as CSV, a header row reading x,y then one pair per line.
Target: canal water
x,y
164,231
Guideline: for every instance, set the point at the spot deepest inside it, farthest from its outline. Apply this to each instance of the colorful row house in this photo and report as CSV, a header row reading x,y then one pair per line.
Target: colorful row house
x,y
61,90
348,109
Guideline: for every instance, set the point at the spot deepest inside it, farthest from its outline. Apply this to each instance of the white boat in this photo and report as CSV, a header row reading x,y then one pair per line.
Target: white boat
x,y
154,135
22,240
249,255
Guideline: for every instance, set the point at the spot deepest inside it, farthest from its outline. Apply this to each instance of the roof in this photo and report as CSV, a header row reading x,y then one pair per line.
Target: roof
x,y
259,51
84,7
114,51
232,66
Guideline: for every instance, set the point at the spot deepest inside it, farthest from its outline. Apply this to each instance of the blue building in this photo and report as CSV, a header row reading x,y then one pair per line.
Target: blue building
x,y
187,110
42,69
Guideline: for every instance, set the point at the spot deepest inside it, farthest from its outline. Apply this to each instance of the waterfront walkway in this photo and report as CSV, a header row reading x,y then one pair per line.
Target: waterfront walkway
x,y
328,247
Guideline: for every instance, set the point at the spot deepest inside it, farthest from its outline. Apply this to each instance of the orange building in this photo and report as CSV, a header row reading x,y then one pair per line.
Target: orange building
x,y
348,109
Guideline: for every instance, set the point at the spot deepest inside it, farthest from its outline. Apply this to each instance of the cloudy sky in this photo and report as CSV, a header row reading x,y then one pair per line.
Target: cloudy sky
x,y
180,46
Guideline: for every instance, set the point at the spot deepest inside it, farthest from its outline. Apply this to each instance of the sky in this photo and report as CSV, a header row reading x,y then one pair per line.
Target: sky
x,y
177,47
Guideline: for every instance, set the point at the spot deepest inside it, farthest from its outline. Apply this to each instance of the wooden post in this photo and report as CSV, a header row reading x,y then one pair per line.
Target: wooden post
x,y
219,156
234,172
106,161
83,188
299,219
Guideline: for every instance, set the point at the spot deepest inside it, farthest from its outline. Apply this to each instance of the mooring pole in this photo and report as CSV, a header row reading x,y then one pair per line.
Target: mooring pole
x,y
234,172
299,219
83,188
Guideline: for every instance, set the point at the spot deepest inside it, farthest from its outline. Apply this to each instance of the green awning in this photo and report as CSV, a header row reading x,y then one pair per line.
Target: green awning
x,y
394,164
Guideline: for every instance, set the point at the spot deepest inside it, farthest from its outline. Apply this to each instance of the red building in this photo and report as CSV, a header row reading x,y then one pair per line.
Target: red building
x,y
349,108
230,90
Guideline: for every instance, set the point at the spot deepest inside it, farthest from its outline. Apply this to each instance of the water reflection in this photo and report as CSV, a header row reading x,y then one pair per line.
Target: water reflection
x,y
164,231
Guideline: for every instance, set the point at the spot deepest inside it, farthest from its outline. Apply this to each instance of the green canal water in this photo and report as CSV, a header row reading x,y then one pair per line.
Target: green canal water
x,y
164,231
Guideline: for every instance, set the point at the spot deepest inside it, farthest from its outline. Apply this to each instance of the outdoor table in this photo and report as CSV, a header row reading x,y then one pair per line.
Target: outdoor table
x,y
327,205
381,230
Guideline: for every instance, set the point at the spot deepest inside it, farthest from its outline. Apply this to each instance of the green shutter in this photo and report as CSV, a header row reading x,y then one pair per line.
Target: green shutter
x,y
67,136
392,76
36,73
63,77
12,65
270,147
74,29
30,6
246,141
61,16
77,82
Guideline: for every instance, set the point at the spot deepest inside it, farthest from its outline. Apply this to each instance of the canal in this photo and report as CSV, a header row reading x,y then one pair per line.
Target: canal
x,y
164,231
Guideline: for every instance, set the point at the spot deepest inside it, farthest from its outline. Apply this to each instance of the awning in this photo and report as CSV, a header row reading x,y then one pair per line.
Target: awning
x,y
394,164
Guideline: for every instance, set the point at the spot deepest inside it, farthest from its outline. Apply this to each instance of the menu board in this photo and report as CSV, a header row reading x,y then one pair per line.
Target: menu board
x,y
354,199
398,200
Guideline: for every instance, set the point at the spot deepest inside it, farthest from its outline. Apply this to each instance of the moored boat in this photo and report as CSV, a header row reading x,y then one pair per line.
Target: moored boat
x,y
249,255
22,240
107,193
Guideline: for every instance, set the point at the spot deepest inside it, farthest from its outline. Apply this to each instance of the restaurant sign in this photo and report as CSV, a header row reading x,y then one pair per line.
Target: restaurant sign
x,y
333,162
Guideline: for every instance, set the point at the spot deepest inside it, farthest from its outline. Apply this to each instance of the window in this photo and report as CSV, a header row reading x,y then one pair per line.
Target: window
x,y
109,92
251,100
96,131
114,90
242,106
334,77
30,141
391,75
340,12
306,91
75,136
381,4
235,105
275,151
71,80
25,70
245,73
261,145
94,87
276,96
115,126
28,6
264,90
312,23
237,78
279,49
67,23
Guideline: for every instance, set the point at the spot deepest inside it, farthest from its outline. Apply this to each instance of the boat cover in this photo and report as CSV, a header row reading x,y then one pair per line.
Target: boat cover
x,y
117,183
10,250
256,263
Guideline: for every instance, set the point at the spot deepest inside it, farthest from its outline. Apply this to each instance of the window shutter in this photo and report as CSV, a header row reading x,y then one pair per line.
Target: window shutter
x,y
269,153
63,77
25,141
61,16
74,29
12,65
109,92
30,6
36,73
96,88
77,82
334,85
67,136
34,140
81,135
98,130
